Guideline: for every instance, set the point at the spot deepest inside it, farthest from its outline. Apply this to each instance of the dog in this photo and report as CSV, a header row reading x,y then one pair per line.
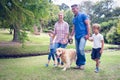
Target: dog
x,y
67,56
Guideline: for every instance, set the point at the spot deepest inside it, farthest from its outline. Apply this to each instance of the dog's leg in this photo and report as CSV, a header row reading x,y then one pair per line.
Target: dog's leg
x,y
68,62
65,67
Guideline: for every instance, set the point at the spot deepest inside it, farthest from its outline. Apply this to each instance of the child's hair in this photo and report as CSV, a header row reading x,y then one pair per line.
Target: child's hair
x,y
96,25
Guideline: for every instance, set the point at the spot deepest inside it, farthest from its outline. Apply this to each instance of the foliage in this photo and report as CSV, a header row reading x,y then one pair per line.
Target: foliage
x,y
53,16
63,6
14,13
68,18
118,27
102,11
22,14
113,37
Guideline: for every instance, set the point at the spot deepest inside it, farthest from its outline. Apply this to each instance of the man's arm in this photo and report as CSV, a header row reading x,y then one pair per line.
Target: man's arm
x,y
87,22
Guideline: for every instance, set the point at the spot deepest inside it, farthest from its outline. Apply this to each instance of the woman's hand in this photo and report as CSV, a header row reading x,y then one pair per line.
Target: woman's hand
x,y
64,41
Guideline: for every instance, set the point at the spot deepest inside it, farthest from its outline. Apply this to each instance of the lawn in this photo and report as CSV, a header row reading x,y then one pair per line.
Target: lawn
x,y
37,44
32,68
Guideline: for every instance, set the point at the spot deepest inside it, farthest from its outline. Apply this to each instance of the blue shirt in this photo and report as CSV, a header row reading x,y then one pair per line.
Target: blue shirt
x,y
80,28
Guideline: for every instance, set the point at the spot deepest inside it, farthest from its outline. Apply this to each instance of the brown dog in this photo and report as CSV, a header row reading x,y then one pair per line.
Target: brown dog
x,y
67,56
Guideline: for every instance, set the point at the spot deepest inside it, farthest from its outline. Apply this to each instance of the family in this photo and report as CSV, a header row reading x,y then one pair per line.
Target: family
x,y
59,38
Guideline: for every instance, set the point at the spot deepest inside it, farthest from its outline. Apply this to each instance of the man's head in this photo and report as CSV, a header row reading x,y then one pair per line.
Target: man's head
x,y
75,9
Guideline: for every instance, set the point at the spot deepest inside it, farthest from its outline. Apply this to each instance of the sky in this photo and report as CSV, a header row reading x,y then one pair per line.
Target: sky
x,y
70,2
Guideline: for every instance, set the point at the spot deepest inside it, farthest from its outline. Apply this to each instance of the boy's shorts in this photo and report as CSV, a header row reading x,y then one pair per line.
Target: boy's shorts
x,y
96,53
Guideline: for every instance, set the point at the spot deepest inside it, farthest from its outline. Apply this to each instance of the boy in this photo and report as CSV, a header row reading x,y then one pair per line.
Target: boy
x,y
98,44
52,51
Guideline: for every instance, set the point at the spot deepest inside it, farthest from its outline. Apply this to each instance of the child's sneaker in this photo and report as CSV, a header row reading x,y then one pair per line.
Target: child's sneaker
x,y
46,65
97,70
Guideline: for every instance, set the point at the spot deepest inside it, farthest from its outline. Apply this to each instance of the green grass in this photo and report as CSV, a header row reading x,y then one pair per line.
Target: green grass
x,y
36,44
5,36
32,68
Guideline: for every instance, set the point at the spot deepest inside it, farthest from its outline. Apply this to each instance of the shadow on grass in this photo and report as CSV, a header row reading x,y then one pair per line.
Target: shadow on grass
x,y
2,56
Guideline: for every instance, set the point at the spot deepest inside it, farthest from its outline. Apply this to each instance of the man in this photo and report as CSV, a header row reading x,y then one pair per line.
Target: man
x,y
81,29
61,31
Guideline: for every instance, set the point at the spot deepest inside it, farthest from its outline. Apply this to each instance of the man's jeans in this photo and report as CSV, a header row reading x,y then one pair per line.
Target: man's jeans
x,y
80,45
59,45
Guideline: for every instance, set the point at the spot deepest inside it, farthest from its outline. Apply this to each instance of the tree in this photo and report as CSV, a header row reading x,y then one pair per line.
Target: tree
x,y
63,6
41,12
21,15
113,36
51,18
13,13
118,27
87,7
68,18
118,32
102,11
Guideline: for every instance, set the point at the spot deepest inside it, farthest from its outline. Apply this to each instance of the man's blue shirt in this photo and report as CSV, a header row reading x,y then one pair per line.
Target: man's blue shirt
x,y
79,25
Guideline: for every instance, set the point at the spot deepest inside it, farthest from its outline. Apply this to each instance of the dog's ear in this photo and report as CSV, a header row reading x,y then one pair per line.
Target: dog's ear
x,y
59,50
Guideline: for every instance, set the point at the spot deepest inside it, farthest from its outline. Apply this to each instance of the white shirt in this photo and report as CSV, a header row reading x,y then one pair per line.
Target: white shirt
x,y
97,40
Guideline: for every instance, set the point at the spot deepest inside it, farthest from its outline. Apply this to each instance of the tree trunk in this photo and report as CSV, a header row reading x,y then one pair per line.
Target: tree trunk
x,y
16,34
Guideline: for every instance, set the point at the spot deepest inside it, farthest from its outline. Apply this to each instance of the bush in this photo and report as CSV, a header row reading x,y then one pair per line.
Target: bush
x,y
113,37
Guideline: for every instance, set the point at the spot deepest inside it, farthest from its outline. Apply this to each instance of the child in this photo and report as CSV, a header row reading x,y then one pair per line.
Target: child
x,y
98,44
52,51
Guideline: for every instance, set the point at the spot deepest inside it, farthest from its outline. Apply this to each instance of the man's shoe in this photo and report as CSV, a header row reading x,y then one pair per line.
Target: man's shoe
x,y
79,67
82,67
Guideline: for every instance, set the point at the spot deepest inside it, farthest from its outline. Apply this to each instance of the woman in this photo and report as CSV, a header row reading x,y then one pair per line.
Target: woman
x,y
61,31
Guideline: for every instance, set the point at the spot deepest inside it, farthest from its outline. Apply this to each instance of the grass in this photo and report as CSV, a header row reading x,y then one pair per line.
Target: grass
x,y
37,44
32,68
5,36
